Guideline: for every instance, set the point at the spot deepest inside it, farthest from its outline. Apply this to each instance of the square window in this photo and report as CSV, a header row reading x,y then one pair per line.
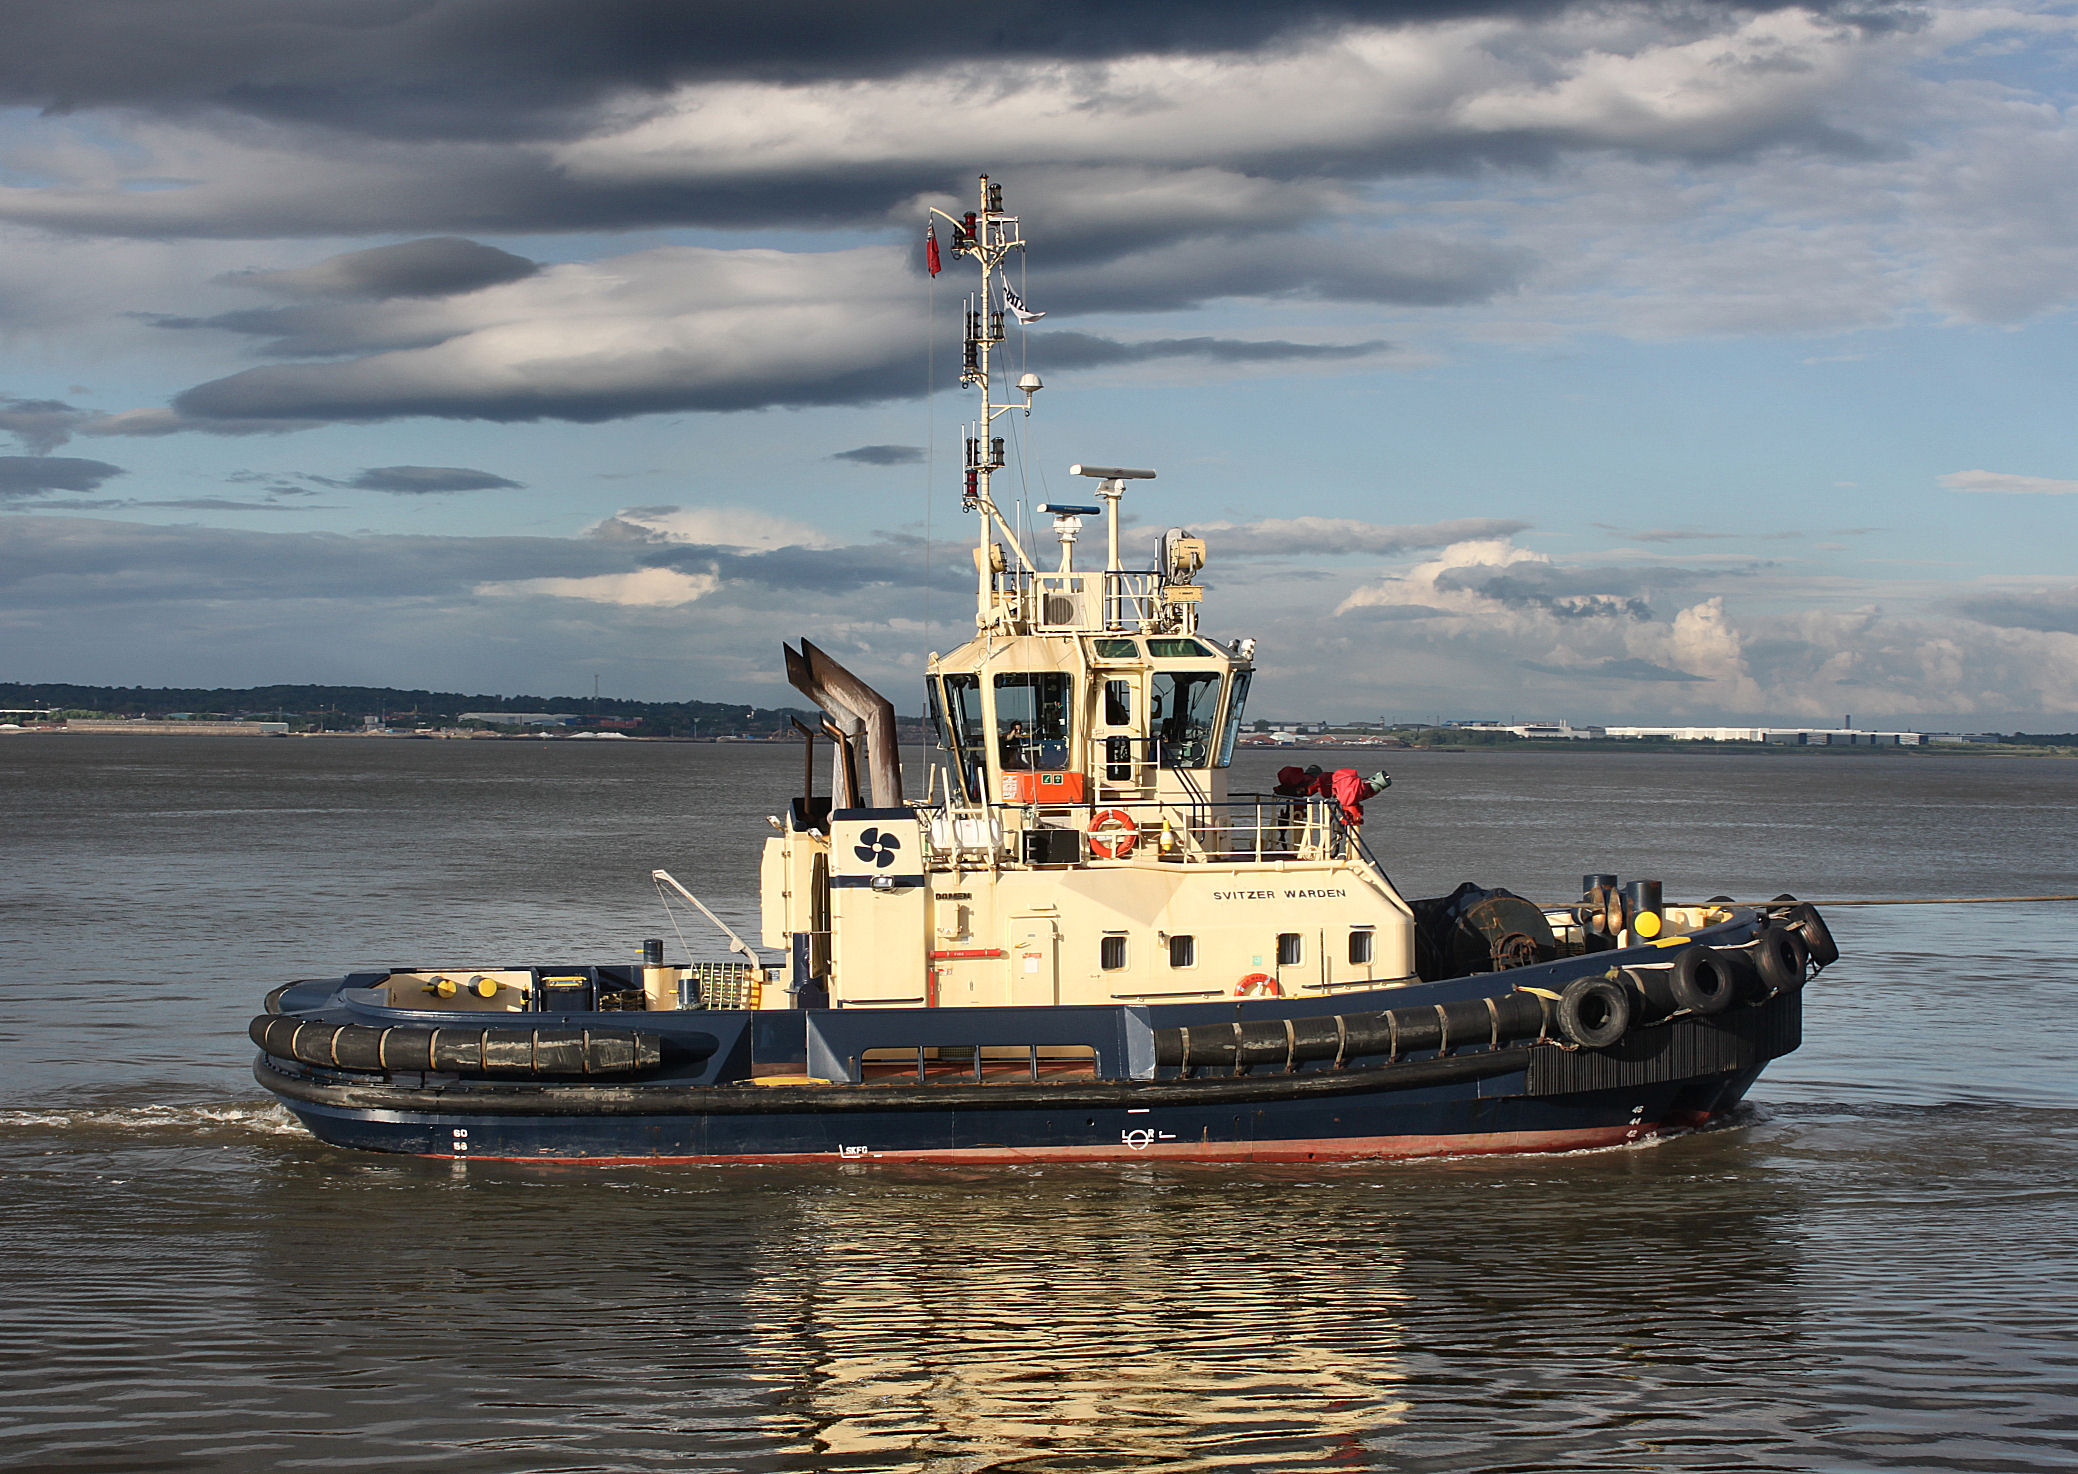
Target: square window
x,y
1287,949
1360,948
1183,951
1111,953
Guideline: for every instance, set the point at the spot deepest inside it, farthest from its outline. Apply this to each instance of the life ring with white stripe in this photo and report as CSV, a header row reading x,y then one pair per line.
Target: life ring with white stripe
x,y
1112,834
1258,985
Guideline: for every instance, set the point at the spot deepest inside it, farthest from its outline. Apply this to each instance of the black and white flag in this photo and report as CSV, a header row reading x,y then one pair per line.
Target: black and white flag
x,y
1017,307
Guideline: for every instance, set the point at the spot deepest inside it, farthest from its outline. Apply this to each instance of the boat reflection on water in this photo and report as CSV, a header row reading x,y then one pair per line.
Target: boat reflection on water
x,y
1192,1319
1071,1323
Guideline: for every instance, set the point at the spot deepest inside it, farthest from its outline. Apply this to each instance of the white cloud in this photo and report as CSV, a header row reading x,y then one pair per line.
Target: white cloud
x,y
1581,639
1423,587
1584,79
646,588
2005,481
720,527
1297,536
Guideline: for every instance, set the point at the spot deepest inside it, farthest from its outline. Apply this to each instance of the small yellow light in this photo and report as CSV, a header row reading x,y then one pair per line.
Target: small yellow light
x,y
484,987
1647,924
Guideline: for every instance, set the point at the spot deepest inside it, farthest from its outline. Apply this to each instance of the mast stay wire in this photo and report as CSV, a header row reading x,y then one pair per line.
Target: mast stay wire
x,y
930,481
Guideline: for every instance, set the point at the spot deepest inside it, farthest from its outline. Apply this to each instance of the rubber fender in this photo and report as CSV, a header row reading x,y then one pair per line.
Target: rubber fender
x,y
1594,1012
1652,992
1467,1023
1818,937
1702,981
1781,955
1746,974
458,1051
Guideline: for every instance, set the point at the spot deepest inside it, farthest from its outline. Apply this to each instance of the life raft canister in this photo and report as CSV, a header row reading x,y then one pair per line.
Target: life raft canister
x,y
1112,834
1258,985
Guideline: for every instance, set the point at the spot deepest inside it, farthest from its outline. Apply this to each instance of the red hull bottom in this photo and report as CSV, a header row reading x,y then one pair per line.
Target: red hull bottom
x,y
1325,1149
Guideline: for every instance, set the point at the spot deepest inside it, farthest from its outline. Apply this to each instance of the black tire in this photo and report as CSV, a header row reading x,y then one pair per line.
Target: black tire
x,y
1703,982
1594,1012
1746,974
1781,957
1818,937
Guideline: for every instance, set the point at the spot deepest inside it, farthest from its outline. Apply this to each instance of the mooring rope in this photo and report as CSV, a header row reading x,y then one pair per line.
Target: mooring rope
x,y
1929,901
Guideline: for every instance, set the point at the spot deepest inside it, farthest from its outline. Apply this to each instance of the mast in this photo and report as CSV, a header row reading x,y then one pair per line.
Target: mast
x,y
989,236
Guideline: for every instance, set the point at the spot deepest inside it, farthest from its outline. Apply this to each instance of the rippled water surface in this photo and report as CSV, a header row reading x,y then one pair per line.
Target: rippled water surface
x,y
1876,1268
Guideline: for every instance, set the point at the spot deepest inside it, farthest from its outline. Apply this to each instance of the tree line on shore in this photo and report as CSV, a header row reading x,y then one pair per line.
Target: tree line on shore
x,y
346,708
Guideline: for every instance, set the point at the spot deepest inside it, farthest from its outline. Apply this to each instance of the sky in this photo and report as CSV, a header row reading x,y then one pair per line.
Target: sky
x,y
1648,362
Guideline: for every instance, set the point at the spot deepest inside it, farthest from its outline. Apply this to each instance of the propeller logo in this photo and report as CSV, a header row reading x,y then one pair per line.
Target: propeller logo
x,y
878,847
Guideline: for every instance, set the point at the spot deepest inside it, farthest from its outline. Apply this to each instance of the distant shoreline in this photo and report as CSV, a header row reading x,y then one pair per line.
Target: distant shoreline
x,y
1697,749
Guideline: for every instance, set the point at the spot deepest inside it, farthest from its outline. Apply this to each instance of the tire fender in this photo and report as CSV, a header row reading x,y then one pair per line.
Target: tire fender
x,y
1594,1012
1781,956
1703,982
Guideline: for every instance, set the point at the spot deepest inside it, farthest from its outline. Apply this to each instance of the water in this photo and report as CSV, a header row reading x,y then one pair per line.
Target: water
x,y
1873,1269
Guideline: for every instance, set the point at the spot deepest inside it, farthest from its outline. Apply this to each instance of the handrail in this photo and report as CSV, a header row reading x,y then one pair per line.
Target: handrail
x,y
1202,831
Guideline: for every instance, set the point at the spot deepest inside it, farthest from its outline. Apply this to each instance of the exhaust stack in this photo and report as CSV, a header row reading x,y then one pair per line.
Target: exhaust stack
x,y
862,714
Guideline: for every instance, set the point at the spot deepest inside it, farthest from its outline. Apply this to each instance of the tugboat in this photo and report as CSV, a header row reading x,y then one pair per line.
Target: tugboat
x,y
1078,943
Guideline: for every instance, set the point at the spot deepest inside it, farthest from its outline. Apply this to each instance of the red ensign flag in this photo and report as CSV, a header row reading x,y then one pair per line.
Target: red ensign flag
x,y
931,249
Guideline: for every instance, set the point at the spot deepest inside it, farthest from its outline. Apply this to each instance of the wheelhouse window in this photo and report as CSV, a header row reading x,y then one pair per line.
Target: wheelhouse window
x,y
1183,951
1109,649
1182,707
1032,720
1174,646
963,730
1232,729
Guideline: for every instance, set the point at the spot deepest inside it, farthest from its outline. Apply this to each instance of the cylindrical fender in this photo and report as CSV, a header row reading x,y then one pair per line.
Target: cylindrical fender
x,y
1702,981
1781,955
462,1050
1594,1012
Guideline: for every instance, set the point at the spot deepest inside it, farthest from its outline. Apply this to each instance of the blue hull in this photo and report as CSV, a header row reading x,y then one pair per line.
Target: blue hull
x,y
1468,1065
1441,1120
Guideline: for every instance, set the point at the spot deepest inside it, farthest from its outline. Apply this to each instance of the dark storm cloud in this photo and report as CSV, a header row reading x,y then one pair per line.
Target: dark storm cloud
x,y
882,455
422,480
475,68
35,475
314,330
41,425
439,266
590,388
363,116
363,391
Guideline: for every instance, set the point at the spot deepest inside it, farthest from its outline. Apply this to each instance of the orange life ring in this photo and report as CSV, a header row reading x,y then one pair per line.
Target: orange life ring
x,y
1258,985
1112,834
